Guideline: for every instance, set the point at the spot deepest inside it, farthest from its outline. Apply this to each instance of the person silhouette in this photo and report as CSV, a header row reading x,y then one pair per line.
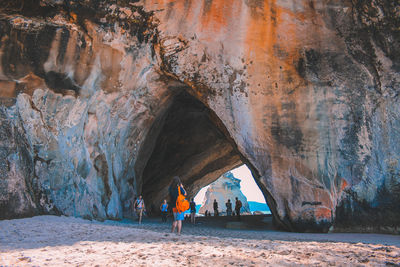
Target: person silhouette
x,y
215,204
238,206
192,211
228,208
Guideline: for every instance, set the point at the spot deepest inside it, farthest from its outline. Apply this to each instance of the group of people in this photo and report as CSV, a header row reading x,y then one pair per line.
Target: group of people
x,y
175,189
228,204
176,186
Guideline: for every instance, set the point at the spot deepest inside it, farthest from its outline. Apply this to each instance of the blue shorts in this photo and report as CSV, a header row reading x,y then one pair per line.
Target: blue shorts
x,y
179,216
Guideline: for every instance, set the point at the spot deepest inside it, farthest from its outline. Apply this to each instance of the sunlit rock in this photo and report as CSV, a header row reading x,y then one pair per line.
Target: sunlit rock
x,y
226,187
304,92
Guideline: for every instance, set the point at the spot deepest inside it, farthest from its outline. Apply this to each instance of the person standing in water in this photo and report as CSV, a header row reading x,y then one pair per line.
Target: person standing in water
x,y
164,210
174,193
192,211
139,207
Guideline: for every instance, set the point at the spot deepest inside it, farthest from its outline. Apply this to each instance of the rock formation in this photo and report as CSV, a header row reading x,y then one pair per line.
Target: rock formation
x,y
226,187
103,100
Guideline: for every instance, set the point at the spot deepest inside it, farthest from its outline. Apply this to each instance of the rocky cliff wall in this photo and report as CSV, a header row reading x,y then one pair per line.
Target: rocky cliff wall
x,y
86,100
309,92
83,101
304,92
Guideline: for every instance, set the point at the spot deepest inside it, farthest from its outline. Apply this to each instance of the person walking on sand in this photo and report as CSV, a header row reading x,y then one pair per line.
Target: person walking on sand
x,y
215,207
174,193
228,208
238,206
192,211
164,211
139,207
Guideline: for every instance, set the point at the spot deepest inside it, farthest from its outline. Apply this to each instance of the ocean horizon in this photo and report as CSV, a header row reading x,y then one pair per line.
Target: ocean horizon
x,y
253,205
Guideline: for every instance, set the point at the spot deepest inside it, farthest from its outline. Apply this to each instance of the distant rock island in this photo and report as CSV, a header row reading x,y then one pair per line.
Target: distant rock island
x,y
224,188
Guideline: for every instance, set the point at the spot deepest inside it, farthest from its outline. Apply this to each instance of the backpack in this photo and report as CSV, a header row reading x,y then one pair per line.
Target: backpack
x,y
139,204
181,203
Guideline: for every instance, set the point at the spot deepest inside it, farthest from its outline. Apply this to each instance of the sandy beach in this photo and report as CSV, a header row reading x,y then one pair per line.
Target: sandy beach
x,y
66,241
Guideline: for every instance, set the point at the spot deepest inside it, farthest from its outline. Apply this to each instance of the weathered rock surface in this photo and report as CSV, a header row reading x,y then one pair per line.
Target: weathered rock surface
x,y
306,93
226,187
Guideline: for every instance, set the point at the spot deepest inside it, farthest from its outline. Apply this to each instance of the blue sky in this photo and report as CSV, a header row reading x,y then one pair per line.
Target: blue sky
x,y
248,186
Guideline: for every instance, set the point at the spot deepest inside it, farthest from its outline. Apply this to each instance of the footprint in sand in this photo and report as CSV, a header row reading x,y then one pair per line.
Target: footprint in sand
x,y
27,259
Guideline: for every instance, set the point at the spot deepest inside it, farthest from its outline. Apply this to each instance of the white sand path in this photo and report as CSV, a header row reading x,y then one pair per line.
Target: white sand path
x,y
66,241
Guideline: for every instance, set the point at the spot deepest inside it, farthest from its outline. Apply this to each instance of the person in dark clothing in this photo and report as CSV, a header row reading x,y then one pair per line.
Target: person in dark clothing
x,y
215,207
238,206
228,208
174,193
192,211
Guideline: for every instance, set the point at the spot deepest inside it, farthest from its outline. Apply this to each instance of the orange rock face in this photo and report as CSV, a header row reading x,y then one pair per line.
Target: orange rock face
x,y
281,76
304,92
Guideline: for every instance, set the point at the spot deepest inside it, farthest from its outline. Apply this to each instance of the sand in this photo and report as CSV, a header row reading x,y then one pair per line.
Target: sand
x,y
66,241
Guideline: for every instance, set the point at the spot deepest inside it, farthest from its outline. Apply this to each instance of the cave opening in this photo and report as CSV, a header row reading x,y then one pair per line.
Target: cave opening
x,y
238,182
189,141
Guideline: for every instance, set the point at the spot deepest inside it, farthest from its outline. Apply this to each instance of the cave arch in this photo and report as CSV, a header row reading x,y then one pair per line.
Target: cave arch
x,y
78,96
238,182
190,141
